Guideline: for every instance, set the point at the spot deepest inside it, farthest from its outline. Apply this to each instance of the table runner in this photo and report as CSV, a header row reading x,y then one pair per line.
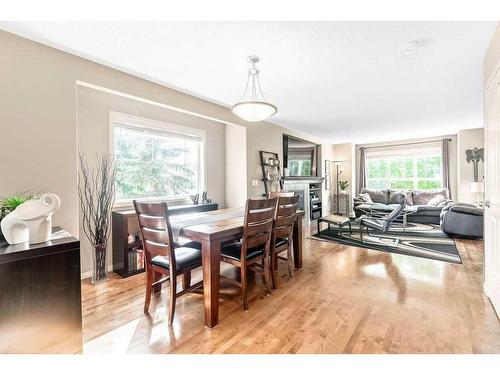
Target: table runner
x,y
178,223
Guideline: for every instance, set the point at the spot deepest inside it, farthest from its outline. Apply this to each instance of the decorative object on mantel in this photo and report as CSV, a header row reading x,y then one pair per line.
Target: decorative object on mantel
x,y
343,185
195,198
271,172
253,107
204,197
96,189
31,221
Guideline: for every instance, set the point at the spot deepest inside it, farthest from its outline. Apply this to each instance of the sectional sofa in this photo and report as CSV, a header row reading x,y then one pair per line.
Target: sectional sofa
x,y
428,203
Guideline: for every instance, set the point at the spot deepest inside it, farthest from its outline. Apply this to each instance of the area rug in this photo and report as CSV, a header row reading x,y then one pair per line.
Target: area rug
x,y
420,240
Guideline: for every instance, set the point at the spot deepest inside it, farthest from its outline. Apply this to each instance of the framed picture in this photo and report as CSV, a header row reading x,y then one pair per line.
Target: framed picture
x,y
327,167
328,182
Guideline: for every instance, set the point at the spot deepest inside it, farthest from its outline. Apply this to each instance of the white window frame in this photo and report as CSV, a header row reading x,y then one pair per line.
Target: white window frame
x,y
395,151
146,123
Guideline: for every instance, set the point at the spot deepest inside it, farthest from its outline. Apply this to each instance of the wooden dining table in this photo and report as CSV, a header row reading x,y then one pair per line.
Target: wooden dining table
x,y
211,235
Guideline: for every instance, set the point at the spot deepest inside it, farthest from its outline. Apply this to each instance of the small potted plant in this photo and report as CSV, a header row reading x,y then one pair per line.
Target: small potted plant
x,y
343,185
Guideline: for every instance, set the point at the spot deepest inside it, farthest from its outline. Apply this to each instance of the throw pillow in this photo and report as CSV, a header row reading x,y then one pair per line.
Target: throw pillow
x,y
394,199
436,200
365,197
377,196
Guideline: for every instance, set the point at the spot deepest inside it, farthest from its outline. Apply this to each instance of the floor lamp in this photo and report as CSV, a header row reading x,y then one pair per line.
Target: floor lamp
x,y
338,171
478,189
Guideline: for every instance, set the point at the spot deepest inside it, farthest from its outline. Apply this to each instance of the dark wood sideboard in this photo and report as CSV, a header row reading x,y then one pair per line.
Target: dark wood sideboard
x,y
40,296
125,222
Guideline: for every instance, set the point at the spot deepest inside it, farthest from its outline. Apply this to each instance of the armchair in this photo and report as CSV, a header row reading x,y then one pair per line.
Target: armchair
x,y
384,223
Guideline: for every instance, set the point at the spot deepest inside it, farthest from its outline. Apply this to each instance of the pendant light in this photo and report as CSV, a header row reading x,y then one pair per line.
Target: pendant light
x,y
253,106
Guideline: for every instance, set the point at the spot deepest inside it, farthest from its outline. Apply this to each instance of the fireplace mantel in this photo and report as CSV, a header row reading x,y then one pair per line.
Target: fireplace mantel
x,y
305,179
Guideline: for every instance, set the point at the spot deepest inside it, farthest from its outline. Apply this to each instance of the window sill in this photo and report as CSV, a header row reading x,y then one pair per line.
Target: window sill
x,y
128,204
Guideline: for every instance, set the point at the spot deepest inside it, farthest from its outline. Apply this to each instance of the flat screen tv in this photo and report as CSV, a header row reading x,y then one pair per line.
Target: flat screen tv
x,y
299,156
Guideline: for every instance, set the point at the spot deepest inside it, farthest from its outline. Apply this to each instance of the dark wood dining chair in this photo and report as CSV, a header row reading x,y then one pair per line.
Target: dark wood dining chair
x,y
282,236
255,244
164,261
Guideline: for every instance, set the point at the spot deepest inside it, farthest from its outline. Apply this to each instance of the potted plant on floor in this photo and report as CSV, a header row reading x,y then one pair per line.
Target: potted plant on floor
x,y
96,189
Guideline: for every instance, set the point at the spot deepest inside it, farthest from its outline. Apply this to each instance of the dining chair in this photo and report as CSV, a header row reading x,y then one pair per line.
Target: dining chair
x,y
255,244
163,257
282,236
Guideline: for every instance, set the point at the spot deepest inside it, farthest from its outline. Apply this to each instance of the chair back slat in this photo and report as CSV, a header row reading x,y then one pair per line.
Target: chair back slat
x,y
277,194
155,249
156,233
148,208
283,232
258,226
284,217
257,240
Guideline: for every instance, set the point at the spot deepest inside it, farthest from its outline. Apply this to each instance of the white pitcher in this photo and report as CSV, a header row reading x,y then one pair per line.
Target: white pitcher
x,y
31,221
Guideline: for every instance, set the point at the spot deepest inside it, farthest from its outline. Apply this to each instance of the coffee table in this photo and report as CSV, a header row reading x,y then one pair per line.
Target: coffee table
x,y
339,220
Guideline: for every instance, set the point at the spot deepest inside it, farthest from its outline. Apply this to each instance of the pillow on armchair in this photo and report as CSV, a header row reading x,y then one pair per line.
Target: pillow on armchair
x,y
365,198
436,201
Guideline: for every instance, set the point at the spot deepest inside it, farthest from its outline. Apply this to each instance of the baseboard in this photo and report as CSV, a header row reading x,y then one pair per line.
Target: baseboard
x,y
88,274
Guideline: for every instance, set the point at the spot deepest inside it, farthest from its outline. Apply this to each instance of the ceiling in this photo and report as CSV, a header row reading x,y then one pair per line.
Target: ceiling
x,y
341,81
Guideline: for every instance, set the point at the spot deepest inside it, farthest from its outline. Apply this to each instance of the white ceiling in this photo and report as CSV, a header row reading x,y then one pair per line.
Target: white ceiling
x,y
342,81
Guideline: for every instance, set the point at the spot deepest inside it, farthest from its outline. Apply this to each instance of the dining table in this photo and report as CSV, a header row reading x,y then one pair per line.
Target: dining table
x,y
212,229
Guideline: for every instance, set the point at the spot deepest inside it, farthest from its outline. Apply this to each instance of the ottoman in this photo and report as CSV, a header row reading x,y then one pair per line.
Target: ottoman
x,y
463,219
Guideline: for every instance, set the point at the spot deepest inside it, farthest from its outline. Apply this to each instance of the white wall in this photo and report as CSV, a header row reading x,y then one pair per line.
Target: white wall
x,y
93,109
236,166
38,117
468,139
491,61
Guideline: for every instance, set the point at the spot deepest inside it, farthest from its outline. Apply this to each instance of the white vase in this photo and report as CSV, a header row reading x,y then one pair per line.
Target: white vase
x,y
31,221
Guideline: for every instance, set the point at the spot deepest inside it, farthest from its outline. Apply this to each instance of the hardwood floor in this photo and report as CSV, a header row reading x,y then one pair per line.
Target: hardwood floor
x,y
344,300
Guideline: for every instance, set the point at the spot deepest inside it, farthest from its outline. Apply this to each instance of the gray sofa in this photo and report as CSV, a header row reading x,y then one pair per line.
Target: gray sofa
x,y
428,203
463,219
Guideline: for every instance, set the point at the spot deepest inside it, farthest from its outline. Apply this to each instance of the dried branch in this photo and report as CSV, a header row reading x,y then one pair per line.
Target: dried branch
x,y
96,189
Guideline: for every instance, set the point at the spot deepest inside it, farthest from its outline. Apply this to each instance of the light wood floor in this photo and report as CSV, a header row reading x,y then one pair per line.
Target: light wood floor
x,y
344,300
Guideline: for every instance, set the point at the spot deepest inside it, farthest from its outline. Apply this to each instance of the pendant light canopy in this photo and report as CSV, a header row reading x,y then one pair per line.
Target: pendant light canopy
x,y
253,106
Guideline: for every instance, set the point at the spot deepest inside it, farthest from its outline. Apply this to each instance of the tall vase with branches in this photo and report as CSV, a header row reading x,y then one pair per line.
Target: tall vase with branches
x,y
96,189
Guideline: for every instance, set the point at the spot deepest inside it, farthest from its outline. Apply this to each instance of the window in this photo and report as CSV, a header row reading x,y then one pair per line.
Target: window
x,y
155,160
402,167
